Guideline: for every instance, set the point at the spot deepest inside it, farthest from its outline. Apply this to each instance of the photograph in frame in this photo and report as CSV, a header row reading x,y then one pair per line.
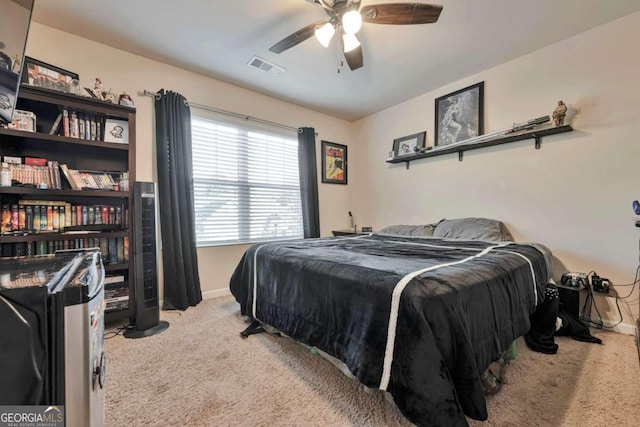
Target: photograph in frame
x,y
334,163
39,74
459,115
116,131
409,145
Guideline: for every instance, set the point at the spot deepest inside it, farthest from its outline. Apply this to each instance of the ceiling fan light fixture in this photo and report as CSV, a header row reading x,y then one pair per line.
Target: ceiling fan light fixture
x,y
352,22
325,33
350,42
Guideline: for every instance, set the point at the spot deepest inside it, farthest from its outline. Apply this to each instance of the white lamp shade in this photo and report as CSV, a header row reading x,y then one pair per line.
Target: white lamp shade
x,y
324,34
351,22
350,42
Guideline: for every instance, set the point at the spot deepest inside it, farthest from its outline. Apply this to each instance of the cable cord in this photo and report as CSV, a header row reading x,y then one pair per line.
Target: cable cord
x,y
591,302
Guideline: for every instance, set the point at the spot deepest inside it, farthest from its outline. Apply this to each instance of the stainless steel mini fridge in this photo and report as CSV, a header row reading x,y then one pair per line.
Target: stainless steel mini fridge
x,y
52,334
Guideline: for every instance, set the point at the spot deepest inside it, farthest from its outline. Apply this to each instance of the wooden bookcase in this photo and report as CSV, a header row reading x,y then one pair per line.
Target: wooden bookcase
x,y
78,154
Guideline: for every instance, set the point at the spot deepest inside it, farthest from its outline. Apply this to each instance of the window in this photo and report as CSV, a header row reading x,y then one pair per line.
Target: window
x,y
246,183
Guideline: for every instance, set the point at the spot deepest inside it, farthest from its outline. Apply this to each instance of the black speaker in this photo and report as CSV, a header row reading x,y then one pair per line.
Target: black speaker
x,y
145,318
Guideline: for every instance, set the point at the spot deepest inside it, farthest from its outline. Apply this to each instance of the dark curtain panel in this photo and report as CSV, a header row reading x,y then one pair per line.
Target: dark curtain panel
x,y
308,182
175,195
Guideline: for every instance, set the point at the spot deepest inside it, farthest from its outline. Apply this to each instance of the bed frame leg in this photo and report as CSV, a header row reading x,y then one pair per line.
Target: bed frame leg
x,y
254,328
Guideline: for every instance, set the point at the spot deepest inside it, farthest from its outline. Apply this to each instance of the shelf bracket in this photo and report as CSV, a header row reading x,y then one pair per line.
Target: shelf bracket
x,y
460,155
537,141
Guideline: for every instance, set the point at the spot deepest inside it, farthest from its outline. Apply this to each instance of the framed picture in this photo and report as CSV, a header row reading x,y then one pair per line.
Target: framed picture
x,y
460,115
408,145
334,163
37,73
116,131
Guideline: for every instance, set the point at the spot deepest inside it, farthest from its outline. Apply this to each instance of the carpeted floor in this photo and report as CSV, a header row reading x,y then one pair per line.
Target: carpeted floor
x,y
199,372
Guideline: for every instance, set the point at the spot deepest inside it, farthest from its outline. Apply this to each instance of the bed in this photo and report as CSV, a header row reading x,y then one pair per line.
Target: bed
x,y
419,313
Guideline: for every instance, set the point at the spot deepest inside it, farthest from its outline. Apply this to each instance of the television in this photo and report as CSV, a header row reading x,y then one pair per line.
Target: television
x,y
15,17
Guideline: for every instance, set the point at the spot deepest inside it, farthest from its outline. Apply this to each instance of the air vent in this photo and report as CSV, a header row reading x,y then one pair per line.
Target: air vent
x,y
265,66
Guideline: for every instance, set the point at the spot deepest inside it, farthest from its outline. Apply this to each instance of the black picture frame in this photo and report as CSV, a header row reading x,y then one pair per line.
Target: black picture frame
x,y
459,115
334,163
409,145
40,74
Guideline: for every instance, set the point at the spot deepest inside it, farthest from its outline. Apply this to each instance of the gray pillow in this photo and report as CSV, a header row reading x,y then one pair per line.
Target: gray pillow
x,y
409,230
473,229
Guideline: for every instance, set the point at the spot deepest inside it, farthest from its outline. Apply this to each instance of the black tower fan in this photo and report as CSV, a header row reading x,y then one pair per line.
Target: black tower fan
x,y
145,319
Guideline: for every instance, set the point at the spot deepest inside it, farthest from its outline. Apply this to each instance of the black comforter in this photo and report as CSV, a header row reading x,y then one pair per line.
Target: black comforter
x,y
440,310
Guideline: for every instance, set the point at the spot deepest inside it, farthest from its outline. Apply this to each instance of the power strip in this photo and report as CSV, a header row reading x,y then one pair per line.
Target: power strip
x,y
600,284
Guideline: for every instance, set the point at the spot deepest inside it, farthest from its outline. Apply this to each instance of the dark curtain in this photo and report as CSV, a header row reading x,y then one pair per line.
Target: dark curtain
x,y
308,182
175,196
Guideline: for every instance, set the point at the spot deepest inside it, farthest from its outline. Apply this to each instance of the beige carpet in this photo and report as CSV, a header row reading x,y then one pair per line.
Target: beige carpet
x,y
201,373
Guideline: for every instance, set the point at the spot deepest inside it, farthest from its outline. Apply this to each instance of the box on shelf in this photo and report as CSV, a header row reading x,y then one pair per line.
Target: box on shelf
x,y
23,120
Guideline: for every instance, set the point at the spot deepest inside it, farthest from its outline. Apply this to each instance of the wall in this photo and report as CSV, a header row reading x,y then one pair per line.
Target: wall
x,y
125,72
573,195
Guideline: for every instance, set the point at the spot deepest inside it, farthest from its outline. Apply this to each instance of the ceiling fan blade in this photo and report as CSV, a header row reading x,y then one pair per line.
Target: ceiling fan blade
x,y
296,38
354,57
401,13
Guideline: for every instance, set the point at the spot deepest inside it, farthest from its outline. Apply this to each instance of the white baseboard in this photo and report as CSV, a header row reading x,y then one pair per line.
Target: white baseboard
x,y
208,295
624,328
216,293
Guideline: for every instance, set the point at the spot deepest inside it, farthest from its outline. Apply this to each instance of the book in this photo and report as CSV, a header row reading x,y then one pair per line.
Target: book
x,y
113,251
5,225
93,128
126,248
120,249
28,217
15,217
54,172
22,218
73,125
119,278
104,214
65,123
67,174
87,127
81,125
35,161
12,160
6,250
55,223
56,125
41,202
36,218
62,218
92,215
43,218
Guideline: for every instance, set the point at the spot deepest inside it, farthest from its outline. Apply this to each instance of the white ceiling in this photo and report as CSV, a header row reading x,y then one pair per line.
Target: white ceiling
x,y
217,38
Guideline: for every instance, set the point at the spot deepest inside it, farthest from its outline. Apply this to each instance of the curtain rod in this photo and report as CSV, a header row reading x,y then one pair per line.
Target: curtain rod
x,y
228,113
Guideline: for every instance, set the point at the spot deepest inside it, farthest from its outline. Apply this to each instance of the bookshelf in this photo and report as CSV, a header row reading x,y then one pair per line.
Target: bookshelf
x,y
73,218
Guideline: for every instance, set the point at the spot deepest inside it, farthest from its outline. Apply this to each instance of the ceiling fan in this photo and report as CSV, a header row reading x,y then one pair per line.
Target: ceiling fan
x,y
346,17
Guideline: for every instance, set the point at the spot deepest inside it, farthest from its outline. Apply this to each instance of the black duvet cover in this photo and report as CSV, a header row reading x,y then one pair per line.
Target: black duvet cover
x,y
420,318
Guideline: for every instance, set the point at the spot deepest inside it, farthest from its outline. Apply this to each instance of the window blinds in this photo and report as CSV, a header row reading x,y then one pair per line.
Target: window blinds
x,y
246,183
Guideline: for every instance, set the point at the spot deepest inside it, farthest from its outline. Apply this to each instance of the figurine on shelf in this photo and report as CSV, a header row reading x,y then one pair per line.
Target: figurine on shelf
x,y
559,113
125,100
97,86
110,96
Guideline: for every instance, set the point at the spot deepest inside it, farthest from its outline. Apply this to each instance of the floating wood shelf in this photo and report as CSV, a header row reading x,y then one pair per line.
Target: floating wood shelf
x,y
460,149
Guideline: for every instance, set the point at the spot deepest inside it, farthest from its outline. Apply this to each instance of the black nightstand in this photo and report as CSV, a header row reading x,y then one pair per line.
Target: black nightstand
x,y
337,233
